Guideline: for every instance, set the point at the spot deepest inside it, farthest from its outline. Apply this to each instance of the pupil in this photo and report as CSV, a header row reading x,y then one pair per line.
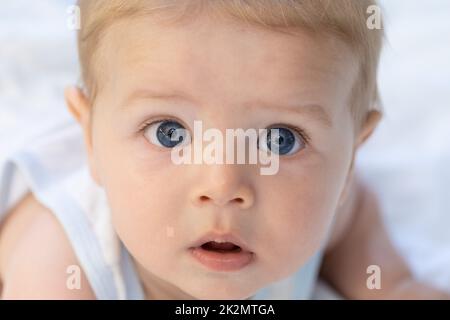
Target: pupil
x,y
283,140
166,130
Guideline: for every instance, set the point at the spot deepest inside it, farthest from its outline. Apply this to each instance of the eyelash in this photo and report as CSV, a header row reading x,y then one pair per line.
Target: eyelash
x,y
298,130
302,133
150,122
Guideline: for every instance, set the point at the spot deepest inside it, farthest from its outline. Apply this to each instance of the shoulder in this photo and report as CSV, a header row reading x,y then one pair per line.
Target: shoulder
x,y
36,257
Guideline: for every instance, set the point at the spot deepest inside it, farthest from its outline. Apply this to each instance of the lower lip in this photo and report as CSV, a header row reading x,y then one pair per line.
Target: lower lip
x,y
217,261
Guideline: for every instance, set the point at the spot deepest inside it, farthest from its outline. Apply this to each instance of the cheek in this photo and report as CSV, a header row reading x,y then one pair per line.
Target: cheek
x,y
141,193
297,217
145,215
301,211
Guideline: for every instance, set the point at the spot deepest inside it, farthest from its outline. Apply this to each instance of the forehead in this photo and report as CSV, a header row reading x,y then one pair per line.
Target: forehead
x,y
224,60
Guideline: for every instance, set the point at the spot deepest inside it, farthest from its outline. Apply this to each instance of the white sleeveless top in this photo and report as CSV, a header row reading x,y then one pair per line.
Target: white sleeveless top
x,y
54,167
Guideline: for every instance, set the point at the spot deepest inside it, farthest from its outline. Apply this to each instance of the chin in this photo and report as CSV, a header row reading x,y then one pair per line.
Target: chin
x,y
221,293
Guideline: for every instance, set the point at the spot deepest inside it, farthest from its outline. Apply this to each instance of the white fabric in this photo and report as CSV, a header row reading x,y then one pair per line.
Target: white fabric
x,y
93,202
53,165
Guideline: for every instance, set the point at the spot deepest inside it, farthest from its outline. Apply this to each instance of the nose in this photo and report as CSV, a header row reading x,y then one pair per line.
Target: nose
x,y
222,185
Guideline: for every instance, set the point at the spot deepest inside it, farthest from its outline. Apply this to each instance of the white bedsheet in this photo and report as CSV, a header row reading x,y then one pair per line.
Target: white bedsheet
x,y
407,161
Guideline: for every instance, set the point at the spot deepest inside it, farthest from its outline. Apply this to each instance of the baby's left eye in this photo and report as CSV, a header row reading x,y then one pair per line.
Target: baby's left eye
x,y
282,141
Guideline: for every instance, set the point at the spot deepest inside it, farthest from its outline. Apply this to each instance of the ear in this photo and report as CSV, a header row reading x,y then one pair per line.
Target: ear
x,y
369,126
367,129
80,108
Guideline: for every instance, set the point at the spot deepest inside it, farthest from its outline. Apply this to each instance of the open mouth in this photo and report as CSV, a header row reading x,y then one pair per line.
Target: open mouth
x,y
221,247
222,256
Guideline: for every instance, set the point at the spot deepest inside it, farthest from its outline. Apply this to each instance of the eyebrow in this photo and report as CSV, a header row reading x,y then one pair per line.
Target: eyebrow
x,y
145,94
313,111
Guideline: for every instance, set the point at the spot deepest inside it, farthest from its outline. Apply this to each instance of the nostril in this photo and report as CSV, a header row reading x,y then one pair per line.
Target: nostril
x,y
204,198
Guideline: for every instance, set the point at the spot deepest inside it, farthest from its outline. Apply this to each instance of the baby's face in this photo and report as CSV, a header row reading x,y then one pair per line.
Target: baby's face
x,y
228,76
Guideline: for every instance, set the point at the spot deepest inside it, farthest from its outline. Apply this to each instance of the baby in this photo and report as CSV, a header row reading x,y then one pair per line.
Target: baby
x,y
305,70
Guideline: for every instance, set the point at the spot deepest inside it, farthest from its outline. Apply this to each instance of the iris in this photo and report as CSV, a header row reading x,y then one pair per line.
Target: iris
x,y
166,133
280,140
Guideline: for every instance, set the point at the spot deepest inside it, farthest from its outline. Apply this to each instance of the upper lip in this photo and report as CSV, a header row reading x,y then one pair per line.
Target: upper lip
x,y
221,237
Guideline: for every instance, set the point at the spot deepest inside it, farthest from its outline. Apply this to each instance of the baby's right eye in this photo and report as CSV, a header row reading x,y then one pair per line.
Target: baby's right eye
x,y
166,133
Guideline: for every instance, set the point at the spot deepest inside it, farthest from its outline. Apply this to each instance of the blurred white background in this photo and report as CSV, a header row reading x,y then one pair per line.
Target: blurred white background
x,y
407,161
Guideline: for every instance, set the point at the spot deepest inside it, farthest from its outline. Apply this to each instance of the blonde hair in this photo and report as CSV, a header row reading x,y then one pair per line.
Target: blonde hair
x,y
345,19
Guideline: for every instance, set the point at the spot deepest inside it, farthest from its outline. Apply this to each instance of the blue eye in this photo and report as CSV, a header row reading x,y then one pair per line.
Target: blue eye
x,y
166,133
282,141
